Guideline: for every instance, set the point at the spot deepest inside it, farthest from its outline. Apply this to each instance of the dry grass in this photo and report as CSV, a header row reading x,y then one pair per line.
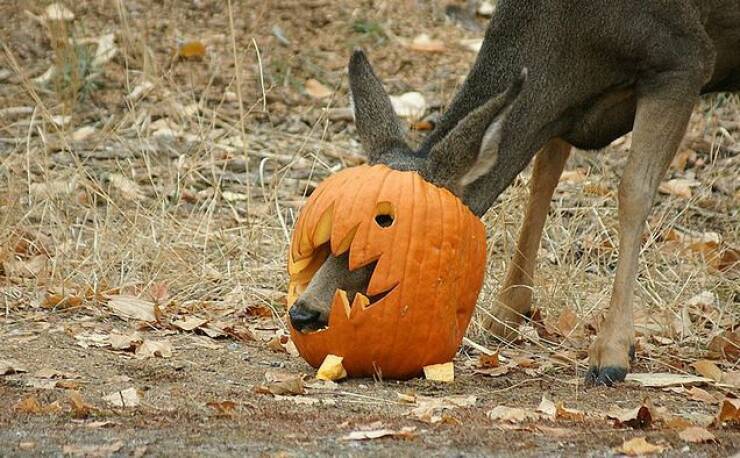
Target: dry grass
x,y
194,183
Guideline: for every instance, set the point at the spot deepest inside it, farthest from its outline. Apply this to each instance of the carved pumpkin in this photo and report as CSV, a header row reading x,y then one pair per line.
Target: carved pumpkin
x,y
430,251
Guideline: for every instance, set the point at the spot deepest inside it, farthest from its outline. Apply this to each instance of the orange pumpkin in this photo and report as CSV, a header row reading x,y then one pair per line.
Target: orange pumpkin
x,y
430,267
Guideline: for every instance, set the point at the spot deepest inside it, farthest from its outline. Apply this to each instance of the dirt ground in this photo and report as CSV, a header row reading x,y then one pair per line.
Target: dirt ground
x,y
160,165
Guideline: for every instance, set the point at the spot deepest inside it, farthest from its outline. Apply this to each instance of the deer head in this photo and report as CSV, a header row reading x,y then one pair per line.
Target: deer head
x,y
468,152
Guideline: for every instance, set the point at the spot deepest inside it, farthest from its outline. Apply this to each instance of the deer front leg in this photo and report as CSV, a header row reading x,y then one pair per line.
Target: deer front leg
x,y
660,123
515,296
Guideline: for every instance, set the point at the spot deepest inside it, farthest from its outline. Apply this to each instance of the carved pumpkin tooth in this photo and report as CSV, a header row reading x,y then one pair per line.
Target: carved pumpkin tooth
x,y
296,266
344,246
344,301
323,228
361,300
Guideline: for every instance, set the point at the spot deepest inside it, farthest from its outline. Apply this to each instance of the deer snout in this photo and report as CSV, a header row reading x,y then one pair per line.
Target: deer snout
x,y
305,318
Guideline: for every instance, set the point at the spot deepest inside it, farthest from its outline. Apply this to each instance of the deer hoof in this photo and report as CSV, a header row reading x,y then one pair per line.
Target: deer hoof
x,y
608,365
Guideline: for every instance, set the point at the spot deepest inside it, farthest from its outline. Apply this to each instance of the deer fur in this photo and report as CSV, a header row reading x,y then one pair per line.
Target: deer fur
x,y
551,74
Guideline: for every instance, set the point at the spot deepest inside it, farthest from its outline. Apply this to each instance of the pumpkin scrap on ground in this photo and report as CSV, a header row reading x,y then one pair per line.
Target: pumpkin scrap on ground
x,y
429,252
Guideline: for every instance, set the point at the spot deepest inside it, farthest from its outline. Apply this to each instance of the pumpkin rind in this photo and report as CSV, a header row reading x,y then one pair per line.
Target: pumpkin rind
x,y
429,264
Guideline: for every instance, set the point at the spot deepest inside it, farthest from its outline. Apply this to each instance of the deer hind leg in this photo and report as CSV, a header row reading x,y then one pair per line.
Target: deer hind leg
x,y
660,124
515,297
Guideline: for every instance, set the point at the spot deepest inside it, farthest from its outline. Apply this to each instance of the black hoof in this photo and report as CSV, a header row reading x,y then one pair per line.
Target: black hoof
x,y
606,376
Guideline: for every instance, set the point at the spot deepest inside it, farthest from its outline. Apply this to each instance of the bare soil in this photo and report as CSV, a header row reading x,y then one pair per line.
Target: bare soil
x,y
184,195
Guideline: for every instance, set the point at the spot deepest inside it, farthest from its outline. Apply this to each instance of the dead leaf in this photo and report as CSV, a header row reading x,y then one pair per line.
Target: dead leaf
x,y
409,105
547,407
513,414
697,394
192,50
126,306
315,89
665,379
680,187
696,435
488,361
58,12
154,348
29,404
9,366
637,418
126,187
80,408
573,176
731,378
125,342
25,268
124,398
222,408
568,414
444,372
189,323
725,345
639,446
708,369
406,432
282,383
729,411
331,369
430,410
567,322
424,43
159,292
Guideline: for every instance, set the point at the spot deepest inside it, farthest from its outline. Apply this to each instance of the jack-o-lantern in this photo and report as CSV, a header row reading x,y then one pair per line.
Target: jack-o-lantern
x,y
429,250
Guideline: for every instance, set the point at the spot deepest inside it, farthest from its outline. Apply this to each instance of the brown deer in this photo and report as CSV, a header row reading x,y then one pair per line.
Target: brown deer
x,y
595,70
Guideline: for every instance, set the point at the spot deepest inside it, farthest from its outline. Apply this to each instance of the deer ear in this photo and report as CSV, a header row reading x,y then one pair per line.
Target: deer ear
x,y
470,150
378,126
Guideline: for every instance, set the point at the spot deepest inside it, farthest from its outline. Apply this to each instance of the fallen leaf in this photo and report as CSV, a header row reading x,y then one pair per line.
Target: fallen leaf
x,y
192,50
92,339
486,8
473,44
9,366
58,12
126,187
493,371
282,383
573,176
29,405
664,379
429,410
222,408
331,369
153,348
697,394
726,345
424,43
125,342
568,414
696,435
731,378
189,323
513,414
639,446
547,407
405,433
409,105
708,369
488,361
315,89
124,398
637,418
132,307
729,411
680,187
80,408
444,372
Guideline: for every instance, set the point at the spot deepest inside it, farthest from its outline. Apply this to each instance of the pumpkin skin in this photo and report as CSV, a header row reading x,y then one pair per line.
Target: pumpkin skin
x,y
429,271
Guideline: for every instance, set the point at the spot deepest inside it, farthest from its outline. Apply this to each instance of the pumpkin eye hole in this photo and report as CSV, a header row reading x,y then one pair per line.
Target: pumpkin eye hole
x,y
384,214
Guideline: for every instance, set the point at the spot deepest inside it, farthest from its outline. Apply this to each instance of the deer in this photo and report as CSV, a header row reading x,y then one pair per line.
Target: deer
x,y
553,75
